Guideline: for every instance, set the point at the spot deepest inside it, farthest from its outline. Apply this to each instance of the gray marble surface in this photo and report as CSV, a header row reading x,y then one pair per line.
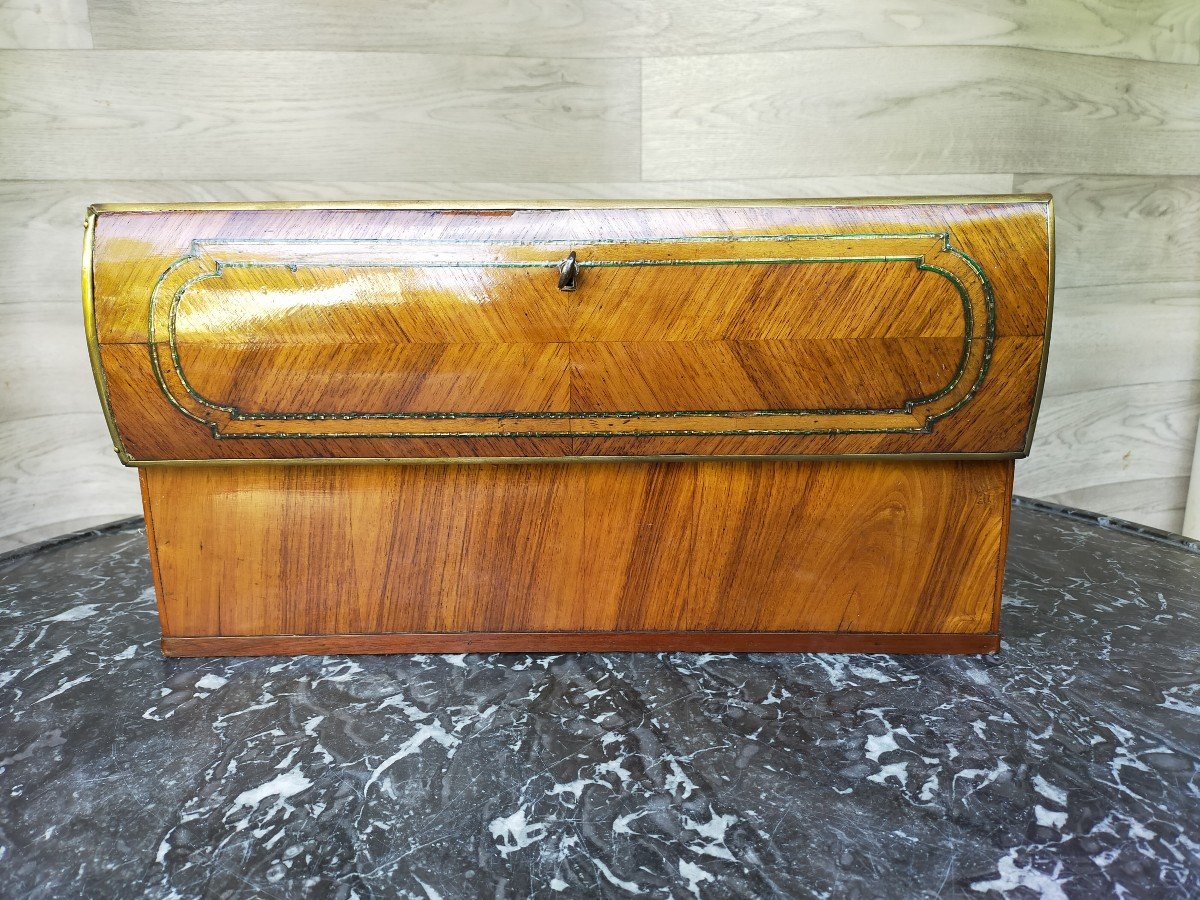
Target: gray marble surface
x,y
1066,765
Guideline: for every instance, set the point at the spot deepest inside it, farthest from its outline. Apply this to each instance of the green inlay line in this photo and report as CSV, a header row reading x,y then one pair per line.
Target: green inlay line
x,y
907,408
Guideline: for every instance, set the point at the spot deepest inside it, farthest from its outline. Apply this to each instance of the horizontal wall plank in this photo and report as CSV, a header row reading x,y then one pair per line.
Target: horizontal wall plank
x,y
302,115
1152,501
1123,230
1126,331
1129,334
62,202
44,25
41,221
1101,440
1164,30
46,371
39,241
61,469
916,110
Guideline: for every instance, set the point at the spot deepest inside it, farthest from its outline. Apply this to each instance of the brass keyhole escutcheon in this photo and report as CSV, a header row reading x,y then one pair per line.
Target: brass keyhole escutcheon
x,y
568,271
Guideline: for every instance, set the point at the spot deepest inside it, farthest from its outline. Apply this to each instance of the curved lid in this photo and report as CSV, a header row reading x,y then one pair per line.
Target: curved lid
x,y
823,328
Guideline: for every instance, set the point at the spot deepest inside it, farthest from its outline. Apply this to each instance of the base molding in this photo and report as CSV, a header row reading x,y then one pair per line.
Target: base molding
x,y
580,642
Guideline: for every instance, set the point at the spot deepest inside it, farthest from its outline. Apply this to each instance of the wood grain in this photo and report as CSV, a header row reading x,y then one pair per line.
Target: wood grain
x,y
380,314
1089,114
49,399
1144,500
419,116
40,220
52,530
778,330
1163,30
1124,334
841,546
56,204
1115,230
1136,439
136,113
42,374
60,468
1121,384
45,25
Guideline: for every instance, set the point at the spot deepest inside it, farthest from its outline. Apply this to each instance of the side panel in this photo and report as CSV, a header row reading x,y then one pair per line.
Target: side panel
x,y
619,553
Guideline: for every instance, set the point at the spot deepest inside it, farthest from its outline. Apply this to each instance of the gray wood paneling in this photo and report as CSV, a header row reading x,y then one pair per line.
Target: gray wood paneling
x,y
1163,30
947,109
59,204
395,99
57,467
45,25
45,370
1145,500
60,468
1120,230
1126,336
1094,447
299,115
41,221
17,539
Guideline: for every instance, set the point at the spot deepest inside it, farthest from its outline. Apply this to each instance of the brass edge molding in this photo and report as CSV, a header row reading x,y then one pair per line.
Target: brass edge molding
x,y
91,331
1046,331
889,200
227,422
949,456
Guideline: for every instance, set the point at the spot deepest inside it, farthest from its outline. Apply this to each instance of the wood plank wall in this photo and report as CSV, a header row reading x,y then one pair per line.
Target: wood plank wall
x,y
1097,101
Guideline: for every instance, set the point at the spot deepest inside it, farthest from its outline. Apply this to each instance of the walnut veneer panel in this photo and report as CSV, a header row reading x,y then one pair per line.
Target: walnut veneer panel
x,y
799,329
641,555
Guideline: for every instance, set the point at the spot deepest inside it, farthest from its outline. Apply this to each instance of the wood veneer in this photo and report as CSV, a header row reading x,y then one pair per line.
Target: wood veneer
x,y
761,427
647,555
731,331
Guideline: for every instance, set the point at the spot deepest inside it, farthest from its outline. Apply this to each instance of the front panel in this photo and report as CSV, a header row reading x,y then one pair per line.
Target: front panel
x,y
719,551
786,330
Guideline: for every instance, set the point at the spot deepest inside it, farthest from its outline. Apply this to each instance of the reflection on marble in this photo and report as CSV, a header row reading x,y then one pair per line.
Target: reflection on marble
x,y
1066,765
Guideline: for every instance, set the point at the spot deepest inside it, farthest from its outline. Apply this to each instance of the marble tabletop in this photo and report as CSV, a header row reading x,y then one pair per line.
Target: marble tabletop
x,y
1067,765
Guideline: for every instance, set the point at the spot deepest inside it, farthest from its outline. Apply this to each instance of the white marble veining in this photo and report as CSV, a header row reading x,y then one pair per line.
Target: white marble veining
x,y
1067,765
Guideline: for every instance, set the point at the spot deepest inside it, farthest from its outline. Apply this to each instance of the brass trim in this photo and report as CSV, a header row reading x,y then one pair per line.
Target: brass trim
x,y
92,333
542,460
1046,331
568,204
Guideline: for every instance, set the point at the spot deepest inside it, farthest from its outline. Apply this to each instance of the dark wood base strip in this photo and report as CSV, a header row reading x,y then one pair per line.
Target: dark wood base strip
x,y
581,642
